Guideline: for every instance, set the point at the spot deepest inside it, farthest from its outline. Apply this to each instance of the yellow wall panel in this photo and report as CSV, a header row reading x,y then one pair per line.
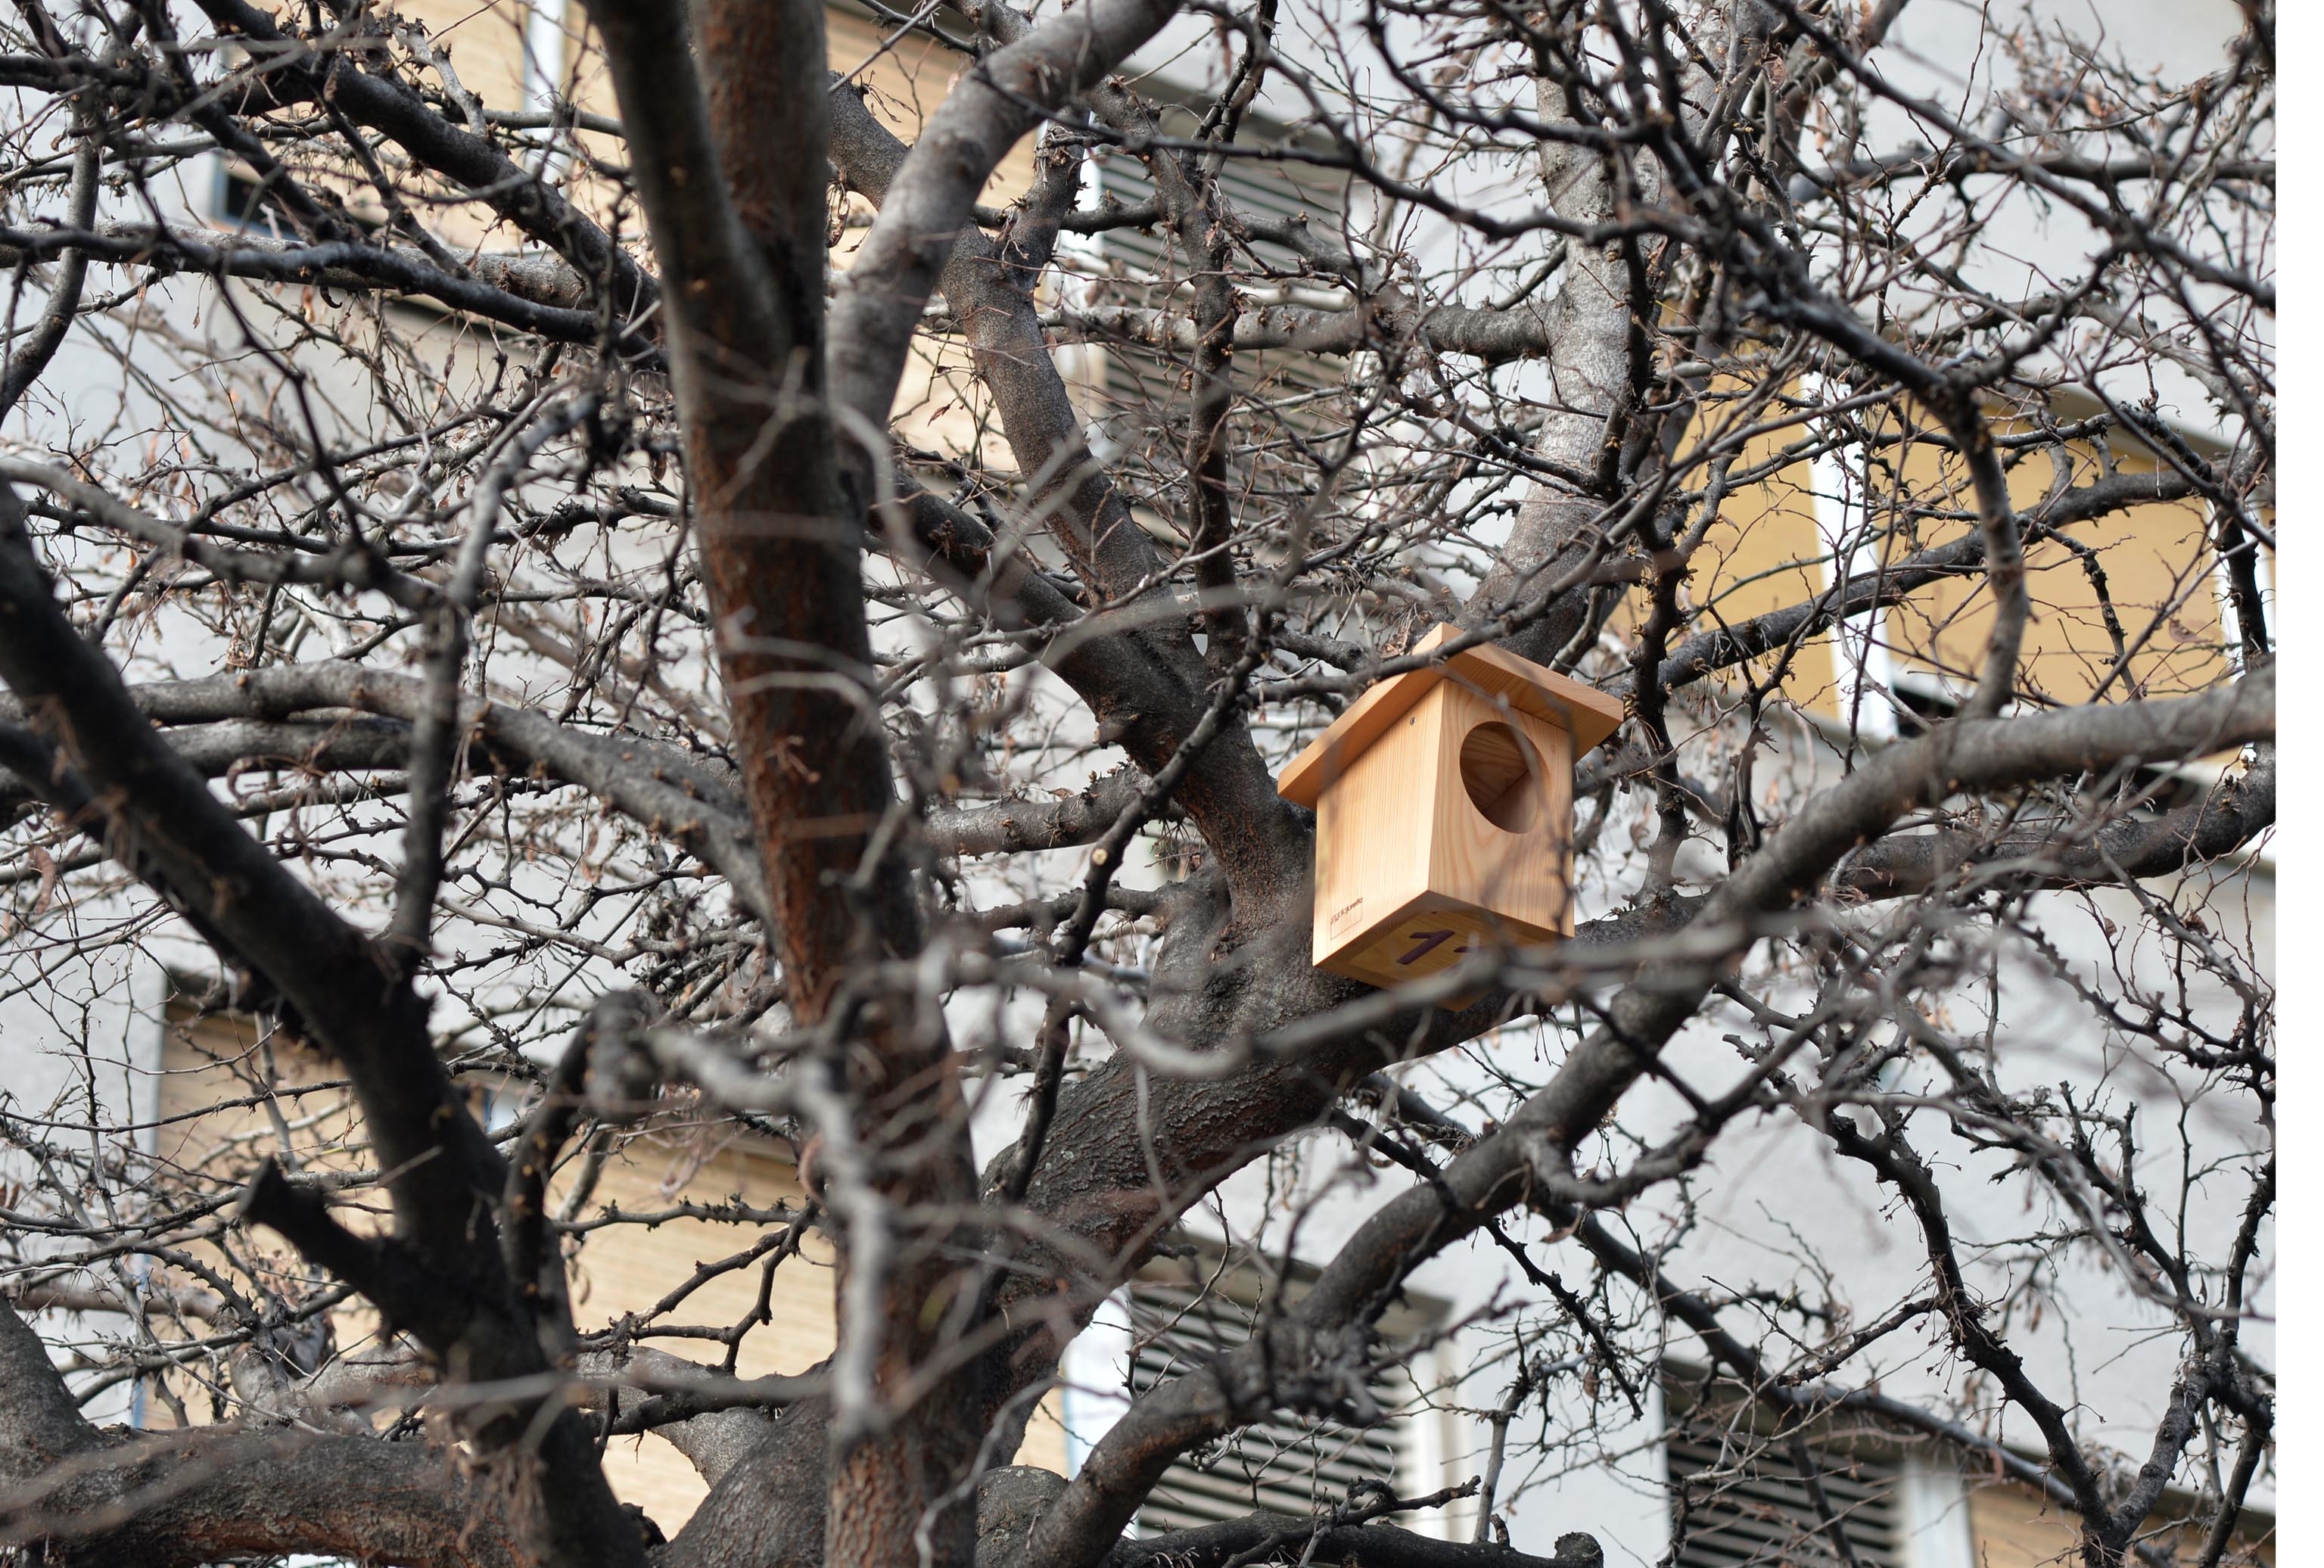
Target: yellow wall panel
x,y
1761,557
1764,554
485,42
2154,561
619,1270
2015,1527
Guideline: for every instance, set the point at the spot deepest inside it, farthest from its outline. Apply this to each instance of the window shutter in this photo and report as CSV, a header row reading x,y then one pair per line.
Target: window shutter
x,y
1286,1465
1144,391
1752,1509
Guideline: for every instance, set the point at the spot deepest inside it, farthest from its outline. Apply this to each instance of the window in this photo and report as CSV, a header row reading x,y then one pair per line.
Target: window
x,y
1139,394
242,201
1739,1502
245,201
1147,270
1287,1464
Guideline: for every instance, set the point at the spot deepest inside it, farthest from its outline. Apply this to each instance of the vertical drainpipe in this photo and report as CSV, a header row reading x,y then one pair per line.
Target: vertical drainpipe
x,y
1934,1522
2231,634
546,47
1865,668
1094,1379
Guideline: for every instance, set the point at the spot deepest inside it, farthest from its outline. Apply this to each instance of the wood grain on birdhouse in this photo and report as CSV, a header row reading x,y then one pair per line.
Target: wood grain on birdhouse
x,y
1444,813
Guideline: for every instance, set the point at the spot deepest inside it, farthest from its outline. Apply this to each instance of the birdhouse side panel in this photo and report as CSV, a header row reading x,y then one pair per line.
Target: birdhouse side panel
x,y
1371,834
1502,836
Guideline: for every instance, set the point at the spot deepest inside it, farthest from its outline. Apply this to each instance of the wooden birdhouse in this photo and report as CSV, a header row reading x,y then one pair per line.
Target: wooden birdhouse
x,y
1444,800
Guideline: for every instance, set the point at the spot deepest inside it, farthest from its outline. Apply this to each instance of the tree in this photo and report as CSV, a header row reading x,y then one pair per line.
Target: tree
x,y
365,638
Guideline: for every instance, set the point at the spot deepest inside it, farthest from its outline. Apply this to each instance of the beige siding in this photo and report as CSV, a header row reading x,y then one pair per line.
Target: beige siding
x,y
2156,565
908,82
626,1269
1761,555
617,1269
483,42
905,82
938,404
2015,1527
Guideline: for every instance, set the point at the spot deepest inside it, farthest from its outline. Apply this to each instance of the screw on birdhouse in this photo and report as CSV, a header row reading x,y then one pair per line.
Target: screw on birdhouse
x,y
1451,833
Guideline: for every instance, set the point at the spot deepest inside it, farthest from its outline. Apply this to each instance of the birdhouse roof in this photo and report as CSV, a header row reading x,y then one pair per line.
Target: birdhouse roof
x,y
1583,712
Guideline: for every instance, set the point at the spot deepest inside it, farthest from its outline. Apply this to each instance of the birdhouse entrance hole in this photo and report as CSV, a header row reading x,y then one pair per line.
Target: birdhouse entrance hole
x,y
1502,776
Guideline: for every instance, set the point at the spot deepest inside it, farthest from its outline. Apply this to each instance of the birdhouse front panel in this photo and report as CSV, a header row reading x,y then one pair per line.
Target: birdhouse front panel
x,y
1444,800
1503,835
